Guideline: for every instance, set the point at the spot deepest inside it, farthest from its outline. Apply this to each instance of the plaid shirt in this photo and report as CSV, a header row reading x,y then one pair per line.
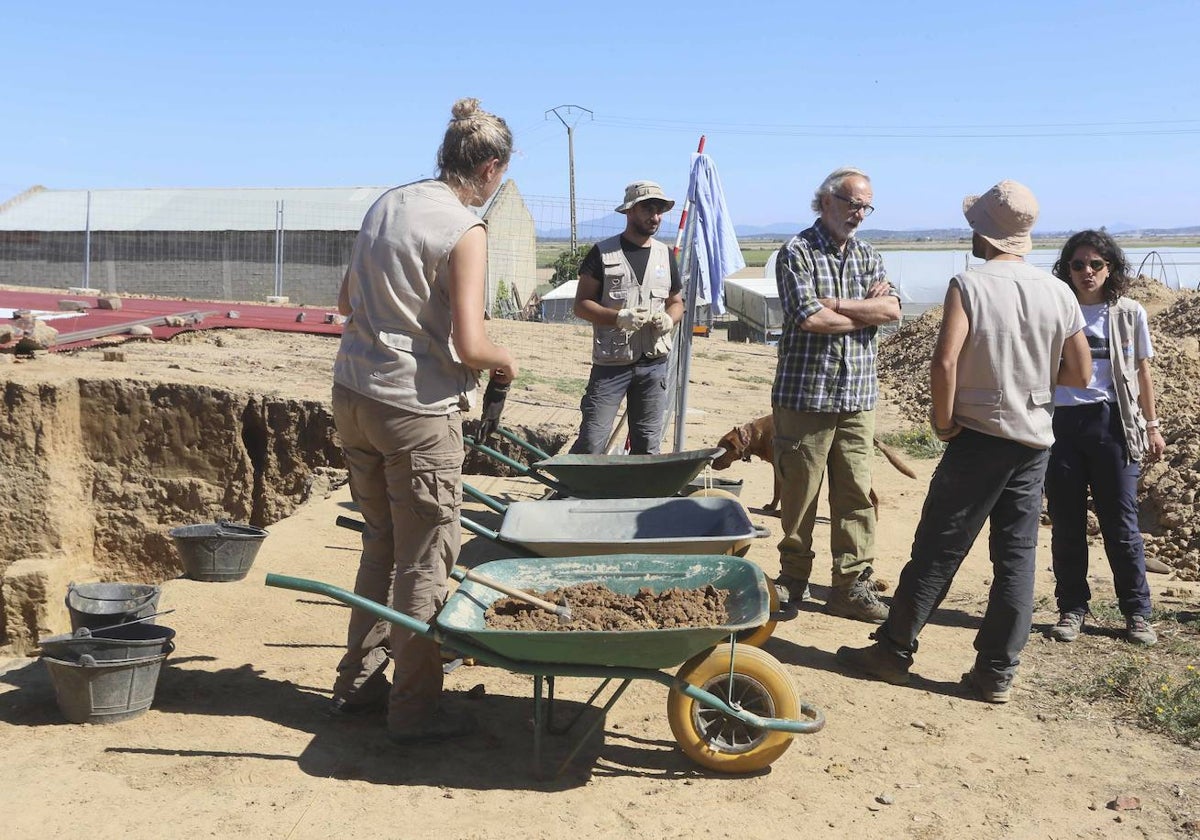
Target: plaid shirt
x,y
817,372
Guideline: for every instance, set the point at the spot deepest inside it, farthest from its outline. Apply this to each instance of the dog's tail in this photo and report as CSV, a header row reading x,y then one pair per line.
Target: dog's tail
x,y
894,458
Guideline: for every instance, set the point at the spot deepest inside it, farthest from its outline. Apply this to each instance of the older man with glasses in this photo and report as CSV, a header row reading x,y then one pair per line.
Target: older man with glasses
x,y
835,295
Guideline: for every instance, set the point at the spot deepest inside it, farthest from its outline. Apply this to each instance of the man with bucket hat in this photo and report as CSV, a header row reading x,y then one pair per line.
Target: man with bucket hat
x,y
1010,332
629,291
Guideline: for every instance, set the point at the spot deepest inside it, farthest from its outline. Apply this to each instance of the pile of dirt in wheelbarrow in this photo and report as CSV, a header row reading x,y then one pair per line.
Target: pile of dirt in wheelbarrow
x,y
596,607
1167,495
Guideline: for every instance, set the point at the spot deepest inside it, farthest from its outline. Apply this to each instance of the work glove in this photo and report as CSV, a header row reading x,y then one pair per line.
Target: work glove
x,y
493,403
662,322
632,320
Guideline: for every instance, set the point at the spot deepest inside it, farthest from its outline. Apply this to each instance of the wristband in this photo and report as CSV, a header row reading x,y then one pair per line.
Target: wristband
x,y
1153,424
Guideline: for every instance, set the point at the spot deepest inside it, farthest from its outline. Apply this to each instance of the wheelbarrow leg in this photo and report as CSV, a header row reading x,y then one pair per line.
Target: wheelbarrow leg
x,y
600,718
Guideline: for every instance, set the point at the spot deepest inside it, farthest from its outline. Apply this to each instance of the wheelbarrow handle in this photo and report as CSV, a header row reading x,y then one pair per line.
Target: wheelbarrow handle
x,y
523,469
484,499
524,444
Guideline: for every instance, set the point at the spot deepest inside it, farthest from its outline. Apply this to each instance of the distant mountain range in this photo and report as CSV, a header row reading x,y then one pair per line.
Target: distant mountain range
x,y
592,229
783,230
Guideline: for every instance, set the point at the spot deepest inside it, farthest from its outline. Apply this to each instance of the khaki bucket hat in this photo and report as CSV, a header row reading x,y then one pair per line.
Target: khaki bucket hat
x,y
643,191
1004,216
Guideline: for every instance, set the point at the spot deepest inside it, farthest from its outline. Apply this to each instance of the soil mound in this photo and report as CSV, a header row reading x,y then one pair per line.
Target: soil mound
x,y
1167,493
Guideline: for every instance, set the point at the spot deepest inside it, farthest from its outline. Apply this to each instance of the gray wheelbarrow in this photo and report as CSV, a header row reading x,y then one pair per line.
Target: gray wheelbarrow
x,y
566,527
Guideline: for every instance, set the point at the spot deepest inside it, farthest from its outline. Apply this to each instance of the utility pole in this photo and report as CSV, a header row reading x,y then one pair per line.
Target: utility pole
x,y
572,113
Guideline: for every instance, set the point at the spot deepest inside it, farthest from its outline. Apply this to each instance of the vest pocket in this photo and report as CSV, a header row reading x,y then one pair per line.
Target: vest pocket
x,y
1041,397
405,342
980,396
436,485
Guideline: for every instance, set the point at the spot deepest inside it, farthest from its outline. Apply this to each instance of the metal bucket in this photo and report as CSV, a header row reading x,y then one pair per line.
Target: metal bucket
x,y
110,644
96,605
217,551
104,692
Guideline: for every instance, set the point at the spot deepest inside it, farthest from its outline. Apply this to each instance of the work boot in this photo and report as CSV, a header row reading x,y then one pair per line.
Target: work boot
x,y
790,590
1138,630
857,600
1068,628
877,661
987,688
876,584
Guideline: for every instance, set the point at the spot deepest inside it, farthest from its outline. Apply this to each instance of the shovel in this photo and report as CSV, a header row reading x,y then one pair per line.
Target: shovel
x,y
563,610
493,404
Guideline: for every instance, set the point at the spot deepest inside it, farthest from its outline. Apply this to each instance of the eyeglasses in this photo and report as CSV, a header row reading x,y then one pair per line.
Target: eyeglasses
x,y
1094,265
855,206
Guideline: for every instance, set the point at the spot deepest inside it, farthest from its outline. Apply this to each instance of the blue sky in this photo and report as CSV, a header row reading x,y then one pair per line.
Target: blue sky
x,y
1093,104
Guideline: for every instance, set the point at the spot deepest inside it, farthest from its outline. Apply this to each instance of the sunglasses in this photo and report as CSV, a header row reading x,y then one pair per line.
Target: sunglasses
x,y
1094,265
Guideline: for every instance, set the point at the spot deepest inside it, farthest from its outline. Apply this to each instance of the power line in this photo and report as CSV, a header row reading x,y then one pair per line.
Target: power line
x,y
926,132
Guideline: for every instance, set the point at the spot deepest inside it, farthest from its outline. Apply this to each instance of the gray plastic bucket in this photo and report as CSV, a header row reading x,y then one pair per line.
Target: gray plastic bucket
x,y
110,644
96,605
104,692
218,551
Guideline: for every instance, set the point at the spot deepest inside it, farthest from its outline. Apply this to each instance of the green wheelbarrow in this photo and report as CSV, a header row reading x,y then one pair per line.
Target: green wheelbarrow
x,y
731,707
610,476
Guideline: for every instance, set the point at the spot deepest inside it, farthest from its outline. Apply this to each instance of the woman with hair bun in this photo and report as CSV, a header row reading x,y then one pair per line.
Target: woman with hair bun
x,y
407,368
1101,434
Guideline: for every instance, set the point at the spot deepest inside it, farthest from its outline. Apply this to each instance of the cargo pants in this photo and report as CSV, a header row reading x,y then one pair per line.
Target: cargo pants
x,y
406,478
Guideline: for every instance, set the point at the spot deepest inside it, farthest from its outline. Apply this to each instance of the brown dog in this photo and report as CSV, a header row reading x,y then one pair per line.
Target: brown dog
x,y
757,438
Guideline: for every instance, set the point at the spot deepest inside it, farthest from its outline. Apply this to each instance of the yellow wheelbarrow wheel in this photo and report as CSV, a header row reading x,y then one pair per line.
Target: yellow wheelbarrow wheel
x,y
717,741
758,636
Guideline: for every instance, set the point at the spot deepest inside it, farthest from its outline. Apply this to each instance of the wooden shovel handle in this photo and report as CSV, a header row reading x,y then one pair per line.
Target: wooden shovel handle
x,y
513,592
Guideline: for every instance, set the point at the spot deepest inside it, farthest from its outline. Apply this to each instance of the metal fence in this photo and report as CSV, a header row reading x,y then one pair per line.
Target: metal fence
x,y
251,244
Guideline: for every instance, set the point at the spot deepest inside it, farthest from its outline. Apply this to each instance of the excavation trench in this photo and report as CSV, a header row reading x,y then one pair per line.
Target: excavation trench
x,y
97,471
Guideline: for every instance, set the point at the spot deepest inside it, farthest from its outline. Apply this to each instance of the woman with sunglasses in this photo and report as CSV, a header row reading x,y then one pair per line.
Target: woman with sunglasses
x,y
1101,434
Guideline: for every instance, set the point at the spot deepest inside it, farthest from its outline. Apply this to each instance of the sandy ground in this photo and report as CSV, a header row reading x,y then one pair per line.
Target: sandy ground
x,y
236,744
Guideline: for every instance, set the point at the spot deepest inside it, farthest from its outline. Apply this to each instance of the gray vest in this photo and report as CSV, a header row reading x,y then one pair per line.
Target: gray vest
x,y
619,289
1020,318
396,346
1122,334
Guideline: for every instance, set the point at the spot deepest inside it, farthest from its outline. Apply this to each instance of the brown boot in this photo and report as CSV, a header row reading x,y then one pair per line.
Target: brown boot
x,y
857,600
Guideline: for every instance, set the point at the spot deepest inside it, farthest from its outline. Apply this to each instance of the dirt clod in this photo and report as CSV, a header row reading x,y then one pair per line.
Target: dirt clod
x,y
596,607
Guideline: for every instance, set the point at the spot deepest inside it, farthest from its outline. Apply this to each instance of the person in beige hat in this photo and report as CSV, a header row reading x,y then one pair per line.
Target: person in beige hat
x,y
629,291
1010,332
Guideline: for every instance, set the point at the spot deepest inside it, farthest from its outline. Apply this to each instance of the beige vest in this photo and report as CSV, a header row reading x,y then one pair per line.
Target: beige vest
x,y
621,290
1020,318
1122,334
396,345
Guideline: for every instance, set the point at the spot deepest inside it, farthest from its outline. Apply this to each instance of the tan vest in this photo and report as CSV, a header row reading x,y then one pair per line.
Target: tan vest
x,y
1122,333
1020,318
396,345
620,289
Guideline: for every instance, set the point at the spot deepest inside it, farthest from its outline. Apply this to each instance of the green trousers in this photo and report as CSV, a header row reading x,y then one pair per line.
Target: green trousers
x,y
809,445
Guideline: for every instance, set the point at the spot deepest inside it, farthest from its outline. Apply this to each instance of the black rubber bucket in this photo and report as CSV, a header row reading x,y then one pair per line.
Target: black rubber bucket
x,y
110,644
218,551
104,692
96,605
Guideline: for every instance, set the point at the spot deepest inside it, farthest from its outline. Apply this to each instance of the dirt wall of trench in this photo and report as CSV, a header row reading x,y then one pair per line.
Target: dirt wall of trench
x,y
96,472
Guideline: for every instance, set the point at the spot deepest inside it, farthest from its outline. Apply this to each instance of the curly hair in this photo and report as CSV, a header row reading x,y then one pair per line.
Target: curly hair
x,y
1118,269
